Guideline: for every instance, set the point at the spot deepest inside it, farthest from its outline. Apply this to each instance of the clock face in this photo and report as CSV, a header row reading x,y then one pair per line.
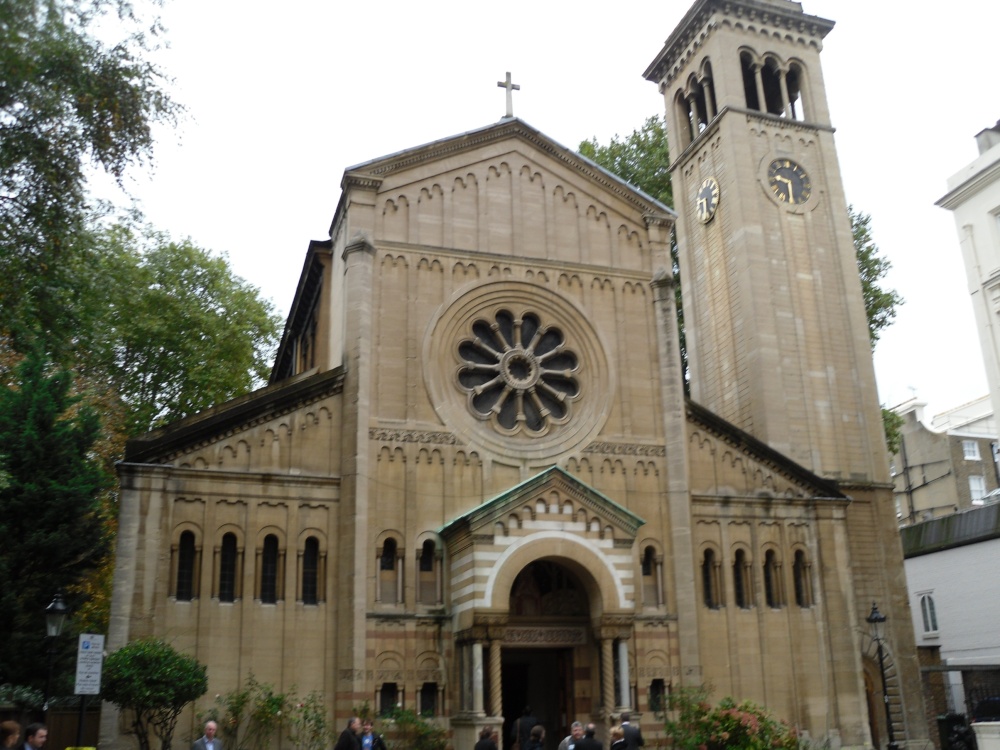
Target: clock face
x,y
789,181
707,200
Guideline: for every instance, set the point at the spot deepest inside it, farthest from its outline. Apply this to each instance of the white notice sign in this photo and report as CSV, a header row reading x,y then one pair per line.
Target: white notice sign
x,y
89,659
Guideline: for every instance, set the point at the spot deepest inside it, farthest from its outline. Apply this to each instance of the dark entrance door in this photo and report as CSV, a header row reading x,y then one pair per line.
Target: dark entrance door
x,y
542,679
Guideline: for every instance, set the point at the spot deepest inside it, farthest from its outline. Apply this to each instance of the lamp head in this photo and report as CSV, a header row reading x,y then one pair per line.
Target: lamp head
x,y
876,620
55,615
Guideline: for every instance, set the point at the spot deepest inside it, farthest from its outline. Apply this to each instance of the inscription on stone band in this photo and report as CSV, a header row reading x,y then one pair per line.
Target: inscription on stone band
x,y
545,636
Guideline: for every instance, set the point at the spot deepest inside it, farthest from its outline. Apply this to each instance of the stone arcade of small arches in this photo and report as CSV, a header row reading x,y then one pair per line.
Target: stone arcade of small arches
x,y
771,85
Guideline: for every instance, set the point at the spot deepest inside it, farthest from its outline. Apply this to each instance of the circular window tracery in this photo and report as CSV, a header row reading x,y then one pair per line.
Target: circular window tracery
x,y
518,373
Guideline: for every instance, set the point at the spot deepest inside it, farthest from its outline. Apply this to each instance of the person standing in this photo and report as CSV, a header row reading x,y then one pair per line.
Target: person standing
x,y
575,735
521,730
617,738
370,740
486,741
633,735
208,741
536,738
10,733
589,741
35,736
348,739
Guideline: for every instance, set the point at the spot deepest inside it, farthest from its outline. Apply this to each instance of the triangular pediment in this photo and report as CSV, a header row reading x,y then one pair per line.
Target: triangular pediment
x,y
458,151
553,499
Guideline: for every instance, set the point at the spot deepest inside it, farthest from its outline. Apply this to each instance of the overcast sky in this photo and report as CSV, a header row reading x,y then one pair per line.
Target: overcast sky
x,y
282,97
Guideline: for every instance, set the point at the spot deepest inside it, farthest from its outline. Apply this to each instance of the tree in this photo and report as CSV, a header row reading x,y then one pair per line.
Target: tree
x,y
50,517
642,159
880,303
152,681
68,102
169,326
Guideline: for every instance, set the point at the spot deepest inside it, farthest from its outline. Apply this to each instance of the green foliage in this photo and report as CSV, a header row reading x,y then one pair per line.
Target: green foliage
x,y
893,425
49,511
169,326
408,730
248,717
23,698
308,725
68,102
880,303
641,159
696,725
152,681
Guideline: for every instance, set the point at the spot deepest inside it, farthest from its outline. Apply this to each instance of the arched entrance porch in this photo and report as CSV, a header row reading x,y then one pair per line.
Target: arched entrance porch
x,y
563,629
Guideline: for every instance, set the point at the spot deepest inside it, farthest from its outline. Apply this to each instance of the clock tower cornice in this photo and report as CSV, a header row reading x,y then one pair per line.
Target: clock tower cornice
x,y
751,116
706,16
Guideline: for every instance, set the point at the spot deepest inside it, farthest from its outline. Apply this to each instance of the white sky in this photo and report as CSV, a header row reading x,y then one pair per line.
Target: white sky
x,y
282,97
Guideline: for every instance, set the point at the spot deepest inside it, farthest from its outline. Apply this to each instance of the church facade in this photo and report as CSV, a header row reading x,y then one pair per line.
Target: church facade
x,y
475,482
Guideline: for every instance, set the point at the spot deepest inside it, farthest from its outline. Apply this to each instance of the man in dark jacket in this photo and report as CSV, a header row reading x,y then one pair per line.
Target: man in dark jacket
x,y
589,741
521,730
633,735
349,739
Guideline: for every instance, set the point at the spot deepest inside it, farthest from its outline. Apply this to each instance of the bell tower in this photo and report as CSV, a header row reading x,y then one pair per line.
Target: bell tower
x,y
775,322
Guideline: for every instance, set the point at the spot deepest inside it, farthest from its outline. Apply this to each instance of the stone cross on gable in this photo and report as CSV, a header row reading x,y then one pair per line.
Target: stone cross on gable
x,y
511,87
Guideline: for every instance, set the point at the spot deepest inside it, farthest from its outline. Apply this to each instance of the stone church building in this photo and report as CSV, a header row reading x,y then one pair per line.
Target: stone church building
x,y
475,482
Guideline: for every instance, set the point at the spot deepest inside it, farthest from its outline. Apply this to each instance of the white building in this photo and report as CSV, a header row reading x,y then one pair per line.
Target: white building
x,y
974,198
955,598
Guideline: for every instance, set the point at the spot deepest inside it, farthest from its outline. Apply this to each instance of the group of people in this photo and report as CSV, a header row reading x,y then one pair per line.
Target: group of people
x,y
527,733
34,736
360,735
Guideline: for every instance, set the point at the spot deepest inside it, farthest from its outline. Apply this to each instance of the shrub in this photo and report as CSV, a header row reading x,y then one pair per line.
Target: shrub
x,y
728,726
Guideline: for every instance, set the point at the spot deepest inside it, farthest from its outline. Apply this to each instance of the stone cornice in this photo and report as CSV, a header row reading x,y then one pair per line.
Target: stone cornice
x,y
970,187
751,115
360,181
698,21
238,415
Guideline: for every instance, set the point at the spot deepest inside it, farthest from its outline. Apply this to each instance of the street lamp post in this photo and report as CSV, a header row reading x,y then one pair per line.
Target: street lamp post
x,y
55,619
876,620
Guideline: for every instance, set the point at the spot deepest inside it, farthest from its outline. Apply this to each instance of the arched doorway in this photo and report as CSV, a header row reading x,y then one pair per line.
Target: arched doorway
x,y
549,658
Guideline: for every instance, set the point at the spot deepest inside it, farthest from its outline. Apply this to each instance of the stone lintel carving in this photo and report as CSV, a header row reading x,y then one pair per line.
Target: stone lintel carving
x,y
544,635
425,437
625,449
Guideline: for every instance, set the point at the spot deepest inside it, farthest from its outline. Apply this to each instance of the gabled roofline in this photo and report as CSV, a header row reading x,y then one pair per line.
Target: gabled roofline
x,y
374,170
160,446
487,510
779,462
309,286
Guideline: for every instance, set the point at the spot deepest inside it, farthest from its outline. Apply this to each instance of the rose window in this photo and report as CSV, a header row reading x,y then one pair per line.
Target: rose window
x,y
518,374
